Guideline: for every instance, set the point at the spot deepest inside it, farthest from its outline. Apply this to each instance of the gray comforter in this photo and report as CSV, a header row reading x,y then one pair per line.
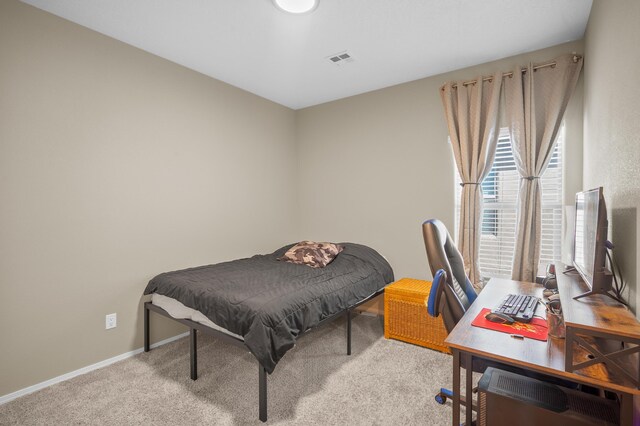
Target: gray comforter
x,y
271,302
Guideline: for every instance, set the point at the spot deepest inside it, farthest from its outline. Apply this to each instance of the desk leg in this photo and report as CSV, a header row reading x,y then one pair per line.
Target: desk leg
x,y
456,387
626,409
468,392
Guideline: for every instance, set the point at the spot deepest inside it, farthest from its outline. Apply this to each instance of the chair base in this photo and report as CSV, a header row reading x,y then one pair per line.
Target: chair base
x,y
442,396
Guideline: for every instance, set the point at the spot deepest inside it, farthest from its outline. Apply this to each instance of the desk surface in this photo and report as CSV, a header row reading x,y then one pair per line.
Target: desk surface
x,y
545,357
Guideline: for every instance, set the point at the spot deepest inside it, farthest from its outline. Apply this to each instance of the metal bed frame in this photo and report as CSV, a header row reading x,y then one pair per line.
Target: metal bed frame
x,y
262,373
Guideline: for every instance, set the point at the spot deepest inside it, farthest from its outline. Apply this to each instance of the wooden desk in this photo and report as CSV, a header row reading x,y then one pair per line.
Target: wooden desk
x,y
467,341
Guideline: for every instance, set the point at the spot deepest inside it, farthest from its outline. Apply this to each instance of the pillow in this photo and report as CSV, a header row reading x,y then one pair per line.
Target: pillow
x,y
310,253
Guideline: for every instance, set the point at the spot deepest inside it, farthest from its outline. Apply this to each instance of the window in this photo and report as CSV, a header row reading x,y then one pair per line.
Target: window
x,y
500,193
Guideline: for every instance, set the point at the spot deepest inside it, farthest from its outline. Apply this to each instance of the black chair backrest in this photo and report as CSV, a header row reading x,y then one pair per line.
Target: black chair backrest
x,y
443,254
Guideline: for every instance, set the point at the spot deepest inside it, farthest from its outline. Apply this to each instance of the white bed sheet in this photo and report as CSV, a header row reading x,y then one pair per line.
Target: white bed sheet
x,y
177,310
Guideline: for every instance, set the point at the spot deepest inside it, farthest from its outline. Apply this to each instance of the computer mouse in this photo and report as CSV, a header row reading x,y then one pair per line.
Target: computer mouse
x,y
548,293
499,318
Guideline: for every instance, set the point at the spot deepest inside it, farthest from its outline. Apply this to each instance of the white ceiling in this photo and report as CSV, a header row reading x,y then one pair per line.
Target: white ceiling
x,y
253,45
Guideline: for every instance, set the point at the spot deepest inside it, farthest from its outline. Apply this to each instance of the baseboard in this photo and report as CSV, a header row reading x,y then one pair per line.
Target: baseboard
x,y
17,394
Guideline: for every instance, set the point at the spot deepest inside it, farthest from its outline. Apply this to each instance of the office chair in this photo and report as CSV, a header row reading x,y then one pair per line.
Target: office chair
x,y
450,279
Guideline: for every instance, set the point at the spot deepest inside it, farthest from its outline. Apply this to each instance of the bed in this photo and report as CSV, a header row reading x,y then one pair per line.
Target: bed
x,y
265,304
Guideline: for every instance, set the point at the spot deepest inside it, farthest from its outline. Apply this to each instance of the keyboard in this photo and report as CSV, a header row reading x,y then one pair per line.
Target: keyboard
x,y
518,306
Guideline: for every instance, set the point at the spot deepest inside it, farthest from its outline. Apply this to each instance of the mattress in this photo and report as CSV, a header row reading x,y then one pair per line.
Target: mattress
x,y
179,311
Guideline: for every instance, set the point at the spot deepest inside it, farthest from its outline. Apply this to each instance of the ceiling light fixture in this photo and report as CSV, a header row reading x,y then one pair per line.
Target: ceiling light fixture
x,y
296,7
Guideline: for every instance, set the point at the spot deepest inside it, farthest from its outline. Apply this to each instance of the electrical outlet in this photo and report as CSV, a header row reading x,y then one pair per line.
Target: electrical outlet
x,y
111,321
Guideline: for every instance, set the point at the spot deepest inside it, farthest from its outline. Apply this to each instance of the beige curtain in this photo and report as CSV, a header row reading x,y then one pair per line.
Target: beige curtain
x,y
535,102
472,117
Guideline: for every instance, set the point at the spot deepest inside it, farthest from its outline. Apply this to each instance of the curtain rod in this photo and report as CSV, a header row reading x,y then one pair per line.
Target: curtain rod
x,y
551,64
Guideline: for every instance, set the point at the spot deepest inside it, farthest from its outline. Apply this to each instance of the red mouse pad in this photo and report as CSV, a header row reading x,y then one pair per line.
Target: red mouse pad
x,y
536,329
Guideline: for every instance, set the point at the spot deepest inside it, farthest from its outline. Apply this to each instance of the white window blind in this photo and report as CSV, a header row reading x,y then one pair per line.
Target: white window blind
x,y
500,193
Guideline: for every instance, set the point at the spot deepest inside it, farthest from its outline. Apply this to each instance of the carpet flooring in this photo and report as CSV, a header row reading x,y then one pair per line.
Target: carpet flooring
x,y
383,382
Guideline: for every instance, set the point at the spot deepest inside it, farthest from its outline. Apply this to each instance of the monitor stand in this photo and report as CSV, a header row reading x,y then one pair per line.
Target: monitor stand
x,y
603,292
604,289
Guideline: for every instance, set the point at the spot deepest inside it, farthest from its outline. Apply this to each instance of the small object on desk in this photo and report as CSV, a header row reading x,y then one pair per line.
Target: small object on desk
x,y
554,306
548,292
555,319
499,318
550,283
551,269
555,322
554,297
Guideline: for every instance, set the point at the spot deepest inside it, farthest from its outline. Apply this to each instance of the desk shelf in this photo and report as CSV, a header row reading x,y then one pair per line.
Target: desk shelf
x,y
603,336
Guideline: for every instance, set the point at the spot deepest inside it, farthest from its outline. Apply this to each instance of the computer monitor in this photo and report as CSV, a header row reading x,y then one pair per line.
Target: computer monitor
x,y
589,242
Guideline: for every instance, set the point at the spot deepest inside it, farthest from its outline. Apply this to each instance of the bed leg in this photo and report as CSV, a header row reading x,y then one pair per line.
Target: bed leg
x,y
348,331
193,346
146,327
262,390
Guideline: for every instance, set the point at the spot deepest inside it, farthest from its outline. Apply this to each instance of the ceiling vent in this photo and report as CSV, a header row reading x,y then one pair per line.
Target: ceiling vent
x,y
340,58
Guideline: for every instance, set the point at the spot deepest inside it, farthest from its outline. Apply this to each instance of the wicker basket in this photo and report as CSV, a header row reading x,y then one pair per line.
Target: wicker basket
x,y
406,317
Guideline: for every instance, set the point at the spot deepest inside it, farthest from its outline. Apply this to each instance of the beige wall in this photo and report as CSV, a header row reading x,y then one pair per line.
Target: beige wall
x,y
373,167
116,165
612,124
